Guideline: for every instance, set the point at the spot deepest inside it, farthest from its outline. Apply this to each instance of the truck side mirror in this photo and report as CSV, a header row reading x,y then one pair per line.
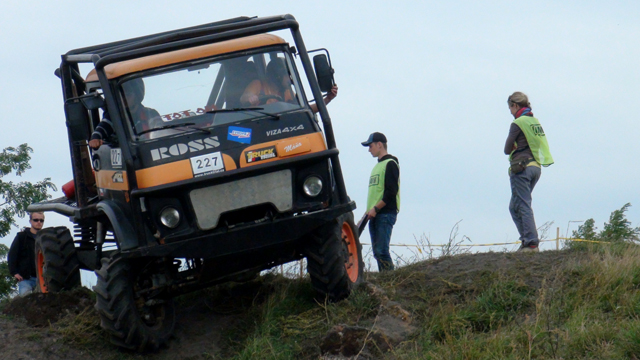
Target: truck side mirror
x,y
324,72
77,120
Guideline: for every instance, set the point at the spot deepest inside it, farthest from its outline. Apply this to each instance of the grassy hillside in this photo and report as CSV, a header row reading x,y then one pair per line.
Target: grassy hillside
x,y
573,304
581,303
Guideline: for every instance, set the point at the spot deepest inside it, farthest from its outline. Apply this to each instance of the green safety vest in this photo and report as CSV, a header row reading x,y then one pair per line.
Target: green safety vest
x,y
376,184
536,138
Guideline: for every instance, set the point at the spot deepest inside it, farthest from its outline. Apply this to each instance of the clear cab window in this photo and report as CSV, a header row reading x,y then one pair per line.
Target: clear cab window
x,y
209,94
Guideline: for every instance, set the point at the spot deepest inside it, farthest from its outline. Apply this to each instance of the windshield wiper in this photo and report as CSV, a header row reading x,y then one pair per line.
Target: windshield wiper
x,y
173,126
254,109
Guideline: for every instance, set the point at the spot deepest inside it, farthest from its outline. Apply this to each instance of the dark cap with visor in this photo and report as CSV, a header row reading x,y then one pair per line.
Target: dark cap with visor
x,y
375,137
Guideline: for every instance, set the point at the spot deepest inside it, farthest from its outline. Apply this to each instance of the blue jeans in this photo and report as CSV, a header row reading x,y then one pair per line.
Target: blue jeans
x,y
522,185
380,230
26,286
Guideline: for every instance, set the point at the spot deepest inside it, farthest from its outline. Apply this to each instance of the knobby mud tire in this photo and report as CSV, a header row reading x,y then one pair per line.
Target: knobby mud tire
x,y
57,264
334,259
121,311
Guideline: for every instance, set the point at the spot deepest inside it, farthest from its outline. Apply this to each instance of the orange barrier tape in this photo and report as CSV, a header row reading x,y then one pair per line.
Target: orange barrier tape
x,y
583,240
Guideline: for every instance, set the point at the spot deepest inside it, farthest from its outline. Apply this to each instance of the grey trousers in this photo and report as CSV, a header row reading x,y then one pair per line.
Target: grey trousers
x,y
522,185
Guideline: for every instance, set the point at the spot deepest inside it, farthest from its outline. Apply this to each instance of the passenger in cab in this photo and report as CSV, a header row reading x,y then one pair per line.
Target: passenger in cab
x,y
277,87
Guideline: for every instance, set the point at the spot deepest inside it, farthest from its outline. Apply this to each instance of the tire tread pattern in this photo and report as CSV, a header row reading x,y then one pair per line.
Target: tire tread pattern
x,y
60,258
116,307
325,260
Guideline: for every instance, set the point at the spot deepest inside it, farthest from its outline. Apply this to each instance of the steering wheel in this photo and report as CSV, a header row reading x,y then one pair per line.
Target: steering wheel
x,y
264,98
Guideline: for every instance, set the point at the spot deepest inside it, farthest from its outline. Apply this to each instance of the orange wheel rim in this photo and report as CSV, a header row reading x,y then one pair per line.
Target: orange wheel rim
x,y
351,264
40,269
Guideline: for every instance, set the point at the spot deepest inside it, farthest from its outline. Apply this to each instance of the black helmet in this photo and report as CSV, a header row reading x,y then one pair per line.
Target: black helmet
x,y
135,87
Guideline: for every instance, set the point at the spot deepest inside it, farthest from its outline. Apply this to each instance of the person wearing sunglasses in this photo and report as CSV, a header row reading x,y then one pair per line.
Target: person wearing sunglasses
x,y
21,258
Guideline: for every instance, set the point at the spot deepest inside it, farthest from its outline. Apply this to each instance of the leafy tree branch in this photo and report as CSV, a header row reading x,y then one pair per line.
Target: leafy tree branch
x,y
618,229
16,197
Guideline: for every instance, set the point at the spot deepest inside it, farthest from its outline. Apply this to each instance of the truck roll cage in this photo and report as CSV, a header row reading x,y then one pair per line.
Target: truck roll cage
x,y
102,55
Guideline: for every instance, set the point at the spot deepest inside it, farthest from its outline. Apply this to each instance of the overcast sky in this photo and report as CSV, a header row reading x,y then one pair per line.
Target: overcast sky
x,y
433,76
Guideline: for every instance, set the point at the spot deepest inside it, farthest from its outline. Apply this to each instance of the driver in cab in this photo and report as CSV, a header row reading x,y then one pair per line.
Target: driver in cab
x,y
142,116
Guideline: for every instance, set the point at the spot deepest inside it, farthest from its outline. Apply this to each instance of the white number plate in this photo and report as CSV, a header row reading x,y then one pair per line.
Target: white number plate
x,y
116,158
207,164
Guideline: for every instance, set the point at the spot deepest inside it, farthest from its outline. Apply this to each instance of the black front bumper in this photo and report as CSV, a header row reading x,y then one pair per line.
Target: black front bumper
x,y
245,239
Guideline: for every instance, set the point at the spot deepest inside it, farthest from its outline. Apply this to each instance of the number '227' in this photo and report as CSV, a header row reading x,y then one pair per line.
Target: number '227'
x,y
205,163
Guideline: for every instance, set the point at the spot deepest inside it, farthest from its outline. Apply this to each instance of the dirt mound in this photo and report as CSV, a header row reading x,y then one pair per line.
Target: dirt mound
x,y
259,318
40,310
207,322
392,326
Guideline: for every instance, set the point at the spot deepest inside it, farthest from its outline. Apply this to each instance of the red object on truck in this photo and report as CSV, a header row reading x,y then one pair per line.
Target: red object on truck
x,y
69,190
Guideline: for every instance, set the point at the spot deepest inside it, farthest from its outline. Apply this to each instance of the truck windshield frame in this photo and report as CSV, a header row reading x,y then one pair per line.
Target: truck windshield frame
x,y
203,94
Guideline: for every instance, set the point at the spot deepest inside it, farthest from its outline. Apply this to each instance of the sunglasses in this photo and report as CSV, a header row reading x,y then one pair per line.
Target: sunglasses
x,y
38,220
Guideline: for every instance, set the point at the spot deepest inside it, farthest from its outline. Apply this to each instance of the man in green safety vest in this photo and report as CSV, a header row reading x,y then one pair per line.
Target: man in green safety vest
x,y
528,150
383,201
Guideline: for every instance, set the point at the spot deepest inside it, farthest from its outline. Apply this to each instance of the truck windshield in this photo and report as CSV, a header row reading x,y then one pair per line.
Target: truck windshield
x,y
200,96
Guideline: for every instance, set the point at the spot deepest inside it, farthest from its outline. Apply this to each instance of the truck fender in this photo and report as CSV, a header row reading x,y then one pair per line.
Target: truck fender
x,y
122,228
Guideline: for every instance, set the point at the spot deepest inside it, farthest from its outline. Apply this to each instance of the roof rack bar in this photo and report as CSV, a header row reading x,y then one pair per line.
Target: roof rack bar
x,y
80,58
176,35
96,48
202,40
180,35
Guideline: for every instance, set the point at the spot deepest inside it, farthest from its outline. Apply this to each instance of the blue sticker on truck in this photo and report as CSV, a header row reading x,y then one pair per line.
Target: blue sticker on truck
x,y
239,134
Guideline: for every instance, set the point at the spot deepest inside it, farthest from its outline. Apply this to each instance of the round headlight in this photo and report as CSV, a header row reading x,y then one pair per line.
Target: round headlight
x,y
312,186
170,217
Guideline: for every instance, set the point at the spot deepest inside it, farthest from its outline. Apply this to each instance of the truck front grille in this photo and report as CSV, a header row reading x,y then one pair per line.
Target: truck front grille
x,y
274,188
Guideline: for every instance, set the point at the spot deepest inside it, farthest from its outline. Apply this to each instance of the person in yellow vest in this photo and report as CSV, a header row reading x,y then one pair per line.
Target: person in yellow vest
x,y
383,201
528,150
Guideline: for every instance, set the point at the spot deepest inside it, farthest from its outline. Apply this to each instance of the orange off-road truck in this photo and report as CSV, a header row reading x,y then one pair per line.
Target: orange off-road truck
x,y
197,186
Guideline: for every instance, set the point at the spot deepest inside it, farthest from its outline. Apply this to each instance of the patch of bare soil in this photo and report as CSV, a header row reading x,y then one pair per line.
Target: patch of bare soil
x,y
40,310
391,326
206,324
21,341
29,326
25,327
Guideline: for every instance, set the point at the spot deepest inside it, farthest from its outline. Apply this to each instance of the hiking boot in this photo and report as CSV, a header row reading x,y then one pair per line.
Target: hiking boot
x,y
530,248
